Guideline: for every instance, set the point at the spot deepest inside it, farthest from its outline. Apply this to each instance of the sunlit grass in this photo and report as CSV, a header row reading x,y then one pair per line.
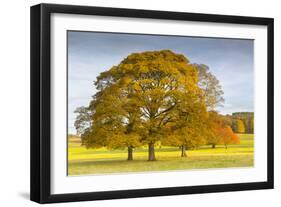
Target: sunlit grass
x,y
93,161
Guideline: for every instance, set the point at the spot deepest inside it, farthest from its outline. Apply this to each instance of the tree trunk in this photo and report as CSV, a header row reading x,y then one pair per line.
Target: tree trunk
x,y
130,153
225,146
213,146
183,151
151,152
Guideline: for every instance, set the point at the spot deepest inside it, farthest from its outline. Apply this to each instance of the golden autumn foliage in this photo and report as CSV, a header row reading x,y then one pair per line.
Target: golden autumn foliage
x,y
240,126
227,136
163,87
153,97
219,131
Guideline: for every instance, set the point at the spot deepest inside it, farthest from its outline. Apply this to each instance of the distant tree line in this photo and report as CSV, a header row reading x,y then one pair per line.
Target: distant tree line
x,y
242,122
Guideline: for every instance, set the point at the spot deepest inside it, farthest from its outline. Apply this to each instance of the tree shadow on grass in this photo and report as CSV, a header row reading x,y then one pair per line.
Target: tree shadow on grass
x,y
170,149
110,162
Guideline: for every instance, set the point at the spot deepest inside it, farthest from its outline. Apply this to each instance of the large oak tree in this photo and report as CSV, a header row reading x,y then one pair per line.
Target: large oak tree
x,y
149,90
152,97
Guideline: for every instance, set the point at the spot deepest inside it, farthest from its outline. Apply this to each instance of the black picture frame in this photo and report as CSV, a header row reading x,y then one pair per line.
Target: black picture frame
x,y
41,99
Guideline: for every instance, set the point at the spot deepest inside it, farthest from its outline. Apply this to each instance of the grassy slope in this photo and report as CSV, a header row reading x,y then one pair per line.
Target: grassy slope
x,y
92,161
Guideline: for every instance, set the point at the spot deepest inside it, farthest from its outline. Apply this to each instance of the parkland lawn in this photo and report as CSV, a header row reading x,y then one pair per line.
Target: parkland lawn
x,y
100,161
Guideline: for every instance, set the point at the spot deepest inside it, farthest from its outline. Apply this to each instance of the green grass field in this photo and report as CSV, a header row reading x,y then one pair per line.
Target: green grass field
x,y
100,161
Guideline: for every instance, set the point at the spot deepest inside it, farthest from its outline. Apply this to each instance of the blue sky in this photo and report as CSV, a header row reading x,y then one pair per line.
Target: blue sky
x,y
230,60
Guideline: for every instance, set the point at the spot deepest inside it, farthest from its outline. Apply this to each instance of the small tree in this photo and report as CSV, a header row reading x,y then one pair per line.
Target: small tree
x,y
227,136
240,126
220,131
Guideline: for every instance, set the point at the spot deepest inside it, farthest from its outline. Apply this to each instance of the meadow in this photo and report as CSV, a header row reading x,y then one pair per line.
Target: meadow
x,y
82,161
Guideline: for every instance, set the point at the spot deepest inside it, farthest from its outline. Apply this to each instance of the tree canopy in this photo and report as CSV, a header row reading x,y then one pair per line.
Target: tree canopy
x,y
151,97
212,90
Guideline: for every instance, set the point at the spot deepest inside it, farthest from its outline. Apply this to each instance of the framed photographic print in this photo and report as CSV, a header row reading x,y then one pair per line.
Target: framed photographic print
x,y
133,103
